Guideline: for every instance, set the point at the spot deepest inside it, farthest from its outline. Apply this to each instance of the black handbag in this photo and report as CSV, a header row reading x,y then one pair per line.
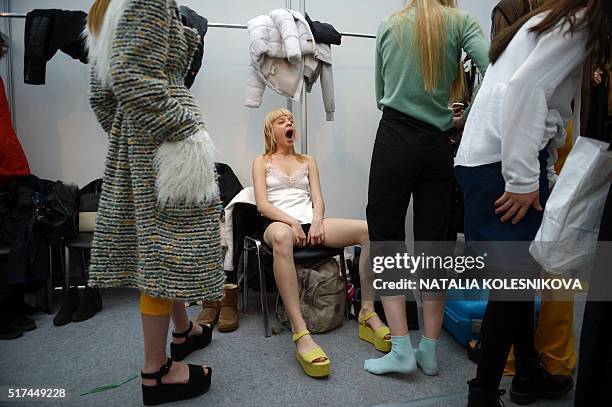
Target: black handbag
x,y
89,196
57,212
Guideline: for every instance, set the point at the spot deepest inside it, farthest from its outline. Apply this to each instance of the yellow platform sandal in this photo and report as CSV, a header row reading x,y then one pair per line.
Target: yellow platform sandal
x,y
311,368
375,337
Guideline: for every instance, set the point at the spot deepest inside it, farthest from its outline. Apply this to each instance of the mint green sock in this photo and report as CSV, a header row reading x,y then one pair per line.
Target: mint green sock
x,y
426,356
400,359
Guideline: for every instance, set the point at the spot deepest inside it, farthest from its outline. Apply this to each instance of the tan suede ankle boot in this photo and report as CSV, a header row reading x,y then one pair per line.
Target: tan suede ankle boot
x,y
228,317
209,313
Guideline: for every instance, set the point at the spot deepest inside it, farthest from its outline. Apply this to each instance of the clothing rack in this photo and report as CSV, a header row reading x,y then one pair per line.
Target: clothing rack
x,y
218,25
303,97
12,15
243,26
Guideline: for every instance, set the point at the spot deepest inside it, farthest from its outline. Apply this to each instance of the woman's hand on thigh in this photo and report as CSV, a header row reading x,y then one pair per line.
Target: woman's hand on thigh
x,y
299,238
316,234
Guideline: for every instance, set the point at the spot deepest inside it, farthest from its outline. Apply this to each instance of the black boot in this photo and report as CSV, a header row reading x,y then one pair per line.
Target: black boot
x,y
16,315
24,323
532,381
8,330
27,309
90,304
480,397
17,303
70,304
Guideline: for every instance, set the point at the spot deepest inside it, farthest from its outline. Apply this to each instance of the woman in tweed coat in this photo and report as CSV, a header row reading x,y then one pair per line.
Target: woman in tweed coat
x,y
157,227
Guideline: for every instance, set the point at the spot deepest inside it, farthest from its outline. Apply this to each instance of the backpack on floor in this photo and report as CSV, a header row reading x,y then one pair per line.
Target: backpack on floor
x,y
322,295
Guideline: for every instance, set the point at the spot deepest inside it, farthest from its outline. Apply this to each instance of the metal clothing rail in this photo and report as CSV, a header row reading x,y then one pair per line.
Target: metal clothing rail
x,y
12,15
218,25
242,26
303,96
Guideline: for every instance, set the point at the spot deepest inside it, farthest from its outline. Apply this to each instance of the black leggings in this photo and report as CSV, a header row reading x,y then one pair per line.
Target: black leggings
x,y
505,323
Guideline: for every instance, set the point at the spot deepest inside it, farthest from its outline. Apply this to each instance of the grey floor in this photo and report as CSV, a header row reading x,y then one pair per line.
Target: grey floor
x,y
248,369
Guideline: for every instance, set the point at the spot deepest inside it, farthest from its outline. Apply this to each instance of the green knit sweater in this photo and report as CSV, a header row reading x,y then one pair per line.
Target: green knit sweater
x,y
399,81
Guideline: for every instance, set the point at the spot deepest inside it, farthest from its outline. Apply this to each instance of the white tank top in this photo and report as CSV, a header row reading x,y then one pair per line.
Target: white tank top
x,y
290,194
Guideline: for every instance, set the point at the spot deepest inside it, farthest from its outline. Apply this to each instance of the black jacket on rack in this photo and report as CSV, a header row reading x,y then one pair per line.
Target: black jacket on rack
x,y
324,33
46,32
191,19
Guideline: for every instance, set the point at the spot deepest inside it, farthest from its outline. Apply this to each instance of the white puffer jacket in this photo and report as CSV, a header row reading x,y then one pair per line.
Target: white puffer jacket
x,y
283,52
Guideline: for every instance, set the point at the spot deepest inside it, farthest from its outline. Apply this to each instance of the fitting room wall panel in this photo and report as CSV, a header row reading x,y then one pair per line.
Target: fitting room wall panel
x,y
63,140
4,67
343,148
59,131
481,10
54,122
219,87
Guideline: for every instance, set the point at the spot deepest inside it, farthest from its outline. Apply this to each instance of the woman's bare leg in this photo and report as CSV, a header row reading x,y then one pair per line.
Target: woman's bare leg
x,y
155,334
181,322
348,232
433,314
279,236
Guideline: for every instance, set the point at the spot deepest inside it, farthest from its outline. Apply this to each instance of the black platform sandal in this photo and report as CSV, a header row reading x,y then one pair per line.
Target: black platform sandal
x,y
199,383
179,351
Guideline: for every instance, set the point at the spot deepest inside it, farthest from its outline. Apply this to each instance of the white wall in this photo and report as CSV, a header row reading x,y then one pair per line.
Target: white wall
x,y
481,10
4,63
63,140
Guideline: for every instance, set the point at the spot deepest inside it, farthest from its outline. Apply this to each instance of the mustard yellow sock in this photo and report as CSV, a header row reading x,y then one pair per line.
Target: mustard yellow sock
x,y
155,306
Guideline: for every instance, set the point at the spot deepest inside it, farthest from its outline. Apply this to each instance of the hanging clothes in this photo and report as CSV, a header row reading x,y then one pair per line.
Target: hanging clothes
x,y
191,19
28,259
284,57
324,33
46,32
13,161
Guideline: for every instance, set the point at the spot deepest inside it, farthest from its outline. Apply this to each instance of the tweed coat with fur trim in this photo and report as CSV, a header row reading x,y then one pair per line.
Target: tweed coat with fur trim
x,y
157,227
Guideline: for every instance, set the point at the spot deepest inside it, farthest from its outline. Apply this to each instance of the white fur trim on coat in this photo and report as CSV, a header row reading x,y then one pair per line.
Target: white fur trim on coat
x,y
186,171
100,46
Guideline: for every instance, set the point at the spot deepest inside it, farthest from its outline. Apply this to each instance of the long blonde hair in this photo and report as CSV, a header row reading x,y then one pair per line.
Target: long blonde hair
x,y
430,39
96,15
268,131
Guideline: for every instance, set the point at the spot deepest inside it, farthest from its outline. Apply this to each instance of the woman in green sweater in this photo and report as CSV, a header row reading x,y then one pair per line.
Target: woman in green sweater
x,y
418,52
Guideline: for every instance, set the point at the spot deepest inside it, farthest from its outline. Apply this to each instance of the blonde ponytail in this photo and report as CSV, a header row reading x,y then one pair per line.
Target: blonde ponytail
x,y
429,38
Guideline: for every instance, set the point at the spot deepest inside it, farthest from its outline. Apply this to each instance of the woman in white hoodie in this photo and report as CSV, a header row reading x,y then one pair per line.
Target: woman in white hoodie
x,y
505,168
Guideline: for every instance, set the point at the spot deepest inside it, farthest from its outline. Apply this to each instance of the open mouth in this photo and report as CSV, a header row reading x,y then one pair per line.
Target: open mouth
x,y
289,133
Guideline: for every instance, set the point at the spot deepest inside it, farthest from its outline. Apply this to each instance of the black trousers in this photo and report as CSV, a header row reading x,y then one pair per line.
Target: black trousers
x,y
410,158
